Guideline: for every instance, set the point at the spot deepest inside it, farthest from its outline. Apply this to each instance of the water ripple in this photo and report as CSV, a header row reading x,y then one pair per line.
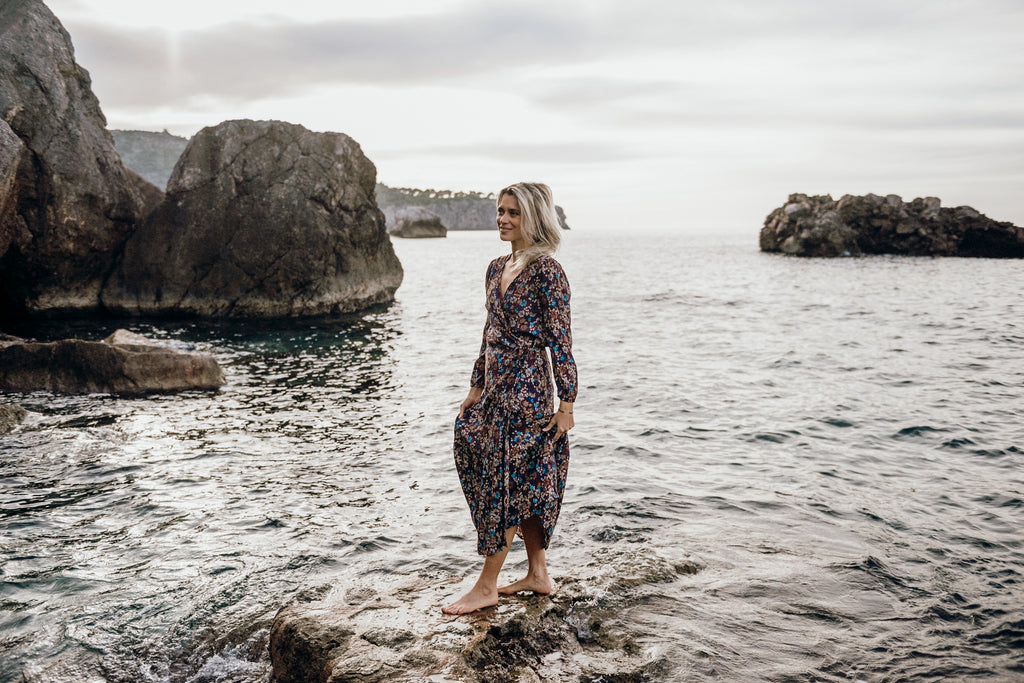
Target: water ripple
x,y
786,469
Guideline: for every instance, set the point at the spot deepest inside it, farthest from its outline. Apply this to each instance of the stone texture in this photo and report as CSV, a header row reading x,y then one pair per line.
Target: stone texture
x,y
10,416
414,222
261,219
871,224
395,631
67,203
124,363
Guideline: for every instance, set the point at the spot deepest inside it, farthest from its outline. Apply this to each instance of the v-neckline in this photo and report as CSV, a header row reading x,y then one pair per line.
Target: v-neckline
x,y
501,274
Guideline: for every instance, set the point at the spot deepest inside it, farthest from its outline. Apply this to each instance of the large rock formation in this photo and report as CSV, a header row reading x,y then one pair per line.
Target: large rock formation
x,y
66,201
124,363
457,210
414,221
820,226
151,155
261,219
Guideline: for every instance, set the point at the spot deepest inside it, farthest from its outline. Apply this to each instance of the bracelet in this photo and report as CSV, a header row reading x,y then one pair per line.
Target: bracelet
x,y
563,411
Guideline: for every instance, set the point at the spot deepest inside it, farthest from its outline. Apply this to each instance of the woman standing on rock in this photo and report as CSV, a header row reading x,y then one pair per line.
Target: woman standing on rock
x,y
511,448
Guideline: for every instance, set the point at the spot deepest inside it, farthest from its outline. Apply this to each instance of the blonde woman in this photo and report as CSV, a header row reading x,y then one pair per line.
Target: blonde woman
x,y
511,448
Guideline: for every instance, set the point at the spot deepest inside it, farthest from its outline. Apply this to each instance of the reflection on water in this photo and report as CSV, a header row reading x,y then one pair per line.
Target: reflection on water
x,y
837,445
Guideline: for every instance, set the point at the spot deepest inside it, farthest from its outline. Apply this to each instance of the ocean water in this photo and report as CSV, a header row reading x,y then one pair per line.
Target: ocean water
x,y
836,445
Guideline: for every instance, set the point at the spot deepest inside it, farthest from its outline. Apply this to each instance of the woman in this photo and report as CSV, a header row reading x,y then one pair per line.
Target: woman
x,y
511,447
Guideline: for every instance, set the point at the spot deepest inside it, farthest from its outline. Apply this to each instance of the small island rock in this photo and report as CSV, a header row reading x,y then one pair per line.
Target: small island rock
x,y
67,203
414,222
262,219
871,224
124,363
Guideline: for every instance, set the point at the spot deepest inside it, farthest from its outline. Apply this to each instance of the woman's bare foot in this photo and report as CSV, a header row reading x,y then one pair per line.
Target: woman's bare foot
x,y
476,598
537,584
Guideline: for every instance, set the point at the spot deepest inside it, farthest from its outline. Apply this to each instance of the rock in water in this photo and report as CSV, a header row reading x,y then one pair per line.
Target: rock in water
x,y
414,221
261,219
820,226
67,203
123,363
393,630
10,416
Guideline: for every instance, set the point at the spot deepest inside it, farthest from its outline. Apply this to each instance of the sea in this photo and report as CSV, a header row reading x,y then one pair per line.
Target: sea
x,y
836,447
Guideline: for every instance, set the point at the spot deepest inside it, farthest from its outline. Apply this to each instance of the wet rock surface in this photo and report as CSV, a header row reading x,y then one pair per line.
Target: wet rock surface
x,y
414,222
10,416
262,219
394,631
67,203
124,363
871,224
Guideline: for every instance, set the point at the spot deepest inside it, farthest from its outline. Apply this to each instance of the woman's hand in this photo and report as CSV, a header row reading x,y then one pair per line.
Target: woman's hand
x,y
562,420
475,393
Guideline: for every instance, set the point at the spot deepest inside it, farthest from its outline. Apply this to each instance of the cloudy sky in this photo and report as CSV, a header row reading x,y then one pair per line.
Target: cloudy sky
x,y
642,115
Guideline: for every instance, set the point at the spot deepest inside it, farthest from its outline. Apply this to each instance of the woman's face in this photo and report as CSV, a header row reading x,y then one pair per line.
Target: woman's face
x,y
509,228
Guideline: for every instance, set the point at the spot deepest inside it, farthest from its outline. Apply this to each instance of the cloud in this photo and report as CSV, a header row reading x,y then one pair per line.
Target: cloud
x,y
548,153
801,42
920,96
266,58
243,61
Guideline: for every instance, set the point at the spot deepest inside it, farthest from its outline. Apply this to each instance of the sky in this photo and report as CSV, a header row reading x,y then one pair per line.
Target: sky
x,y
648,115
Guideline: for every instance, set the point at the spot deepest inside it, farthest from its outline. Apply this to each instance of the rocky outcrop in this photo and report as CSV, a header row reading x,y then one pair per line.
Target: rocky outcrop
x,y
396,632
123,363
10,416
870,224
457,210
67,203
414,222
151,155
261,219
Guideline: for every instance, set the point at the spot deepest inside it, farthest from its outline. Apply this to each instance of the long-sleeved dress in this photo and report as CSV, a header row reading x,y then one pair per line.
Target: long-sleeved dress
x,y
510,470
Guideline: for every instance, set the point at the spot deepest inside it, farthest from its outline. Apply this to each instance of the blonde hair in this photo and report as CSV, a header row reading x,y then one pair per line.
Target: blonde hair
x,y
538,220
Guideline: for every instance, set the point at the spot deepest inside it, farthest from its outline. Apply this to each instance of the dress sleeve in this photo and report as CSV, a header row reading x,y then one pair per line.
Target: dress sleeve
x,y
477,380
554,295
479,367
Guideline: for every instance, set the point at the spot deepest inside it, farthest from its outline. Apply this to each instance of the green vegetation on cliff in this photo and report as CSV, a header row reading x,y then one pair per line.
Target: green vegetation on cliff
x,y
457,210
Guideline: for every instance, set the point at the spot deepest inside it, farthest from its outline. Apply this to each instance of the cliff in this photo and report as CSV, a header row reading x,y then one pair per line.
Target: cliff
x,y
151,155
67,203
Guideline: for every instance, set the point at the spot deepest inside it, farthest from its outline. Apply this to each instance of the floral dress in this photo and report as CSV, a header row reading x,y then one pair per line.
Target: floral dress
x,y
510,470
